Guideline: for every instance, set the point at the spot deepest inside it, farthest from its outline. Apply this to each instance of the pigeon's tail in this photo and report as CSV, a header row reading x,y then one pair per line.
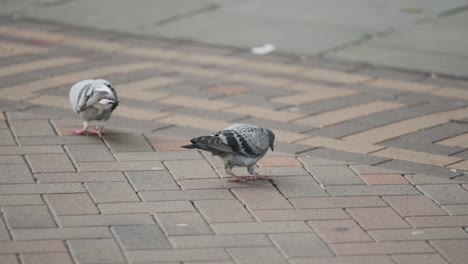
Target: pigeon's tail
x,y
212,144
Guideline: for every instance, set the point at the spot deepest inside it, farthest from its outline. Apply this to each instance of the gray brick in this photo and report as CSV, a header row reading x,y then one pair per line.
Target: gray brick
x,y
79,177
57,140
217,211
83,153
214,115
341,129
15,173
335,103
276,125
31,128
334,175
103,192
418,168
456,209
4,235
152,180
358,190
145,207
141,237
255,255
185,195
298,186
190,223
421,179
260,227
190,169
105,220
160,155
61,233
419,258
28,216
463,155
20,200
11,159
120,166
446,194
127,143
41,188
50,163
346,157
46,258
225,241
96,251
345,260
418,234
6,138
21,150
301,245
204,255
275,171
317,161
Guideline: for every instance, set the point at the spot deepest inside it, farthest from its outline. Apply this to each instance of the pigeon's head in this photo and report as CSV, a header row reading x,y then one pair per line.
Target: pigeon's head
x,y
271,136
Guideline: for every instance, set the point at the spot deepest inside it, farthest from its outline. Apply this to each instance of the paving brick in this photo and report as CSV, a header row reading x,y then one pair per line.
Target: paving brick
x,y
453,250
418,168
341,145
438,221
384,179
257,255
344,260
31,128
190,169
169,145
46,258
218,211
332,175
224,241
300,186
105,220
79,177
141,237
344,156
185,195
337,202
366,169
422,179
445,193
220,184
377,218
337,231
15,173
189,223
57,140
120,166
127,143
83,153
28,216
145,207
4,235
71,204
335,76
50,163
6,138
166,255
460,166
11,159
413,205
416,156
456,209
418,234
9,259
262,198
152,180
299,215
61,233
104,192
279,162
41,188
20,200
260,227
39,246
381,248
419,258
358,190
21,150
160,155
275,171
96,251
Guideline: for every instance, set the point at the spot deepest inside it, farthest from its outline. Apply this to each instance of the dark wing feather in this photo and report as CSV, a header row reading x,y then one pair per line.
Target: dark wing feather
x,y
212,144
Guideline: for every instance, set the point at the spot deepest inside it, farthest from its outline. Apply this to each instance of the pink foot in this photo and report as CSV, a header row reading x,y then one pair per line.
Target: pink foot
x,y
238,179
98,132
260,177
80,132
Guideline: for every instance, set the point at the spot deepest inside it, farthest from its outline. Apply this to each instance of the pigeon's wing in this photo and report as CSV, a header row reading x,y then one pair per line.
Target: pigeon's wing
x,y
88,92
245,140
213,144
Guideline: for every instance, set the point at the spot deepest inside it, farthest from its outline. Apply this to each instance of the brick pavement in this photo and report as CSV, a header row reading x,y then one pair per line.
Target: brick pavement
x,y
368,168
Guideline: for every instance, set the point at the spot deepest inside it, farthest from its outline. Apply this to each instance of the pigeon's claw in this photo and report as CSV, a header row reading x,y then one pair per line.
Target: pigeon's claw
x,y
80,132
97,132
238,179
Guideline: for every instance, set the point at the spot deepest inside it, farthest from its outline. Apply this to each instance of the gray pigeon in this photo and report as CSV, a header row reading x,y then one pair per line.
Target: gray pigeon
x,y
238,145
93,100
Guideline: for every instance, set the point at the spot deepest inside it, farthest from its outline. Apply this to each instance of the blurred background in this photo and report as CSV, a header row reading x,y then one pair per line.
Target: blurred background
x,y
421,35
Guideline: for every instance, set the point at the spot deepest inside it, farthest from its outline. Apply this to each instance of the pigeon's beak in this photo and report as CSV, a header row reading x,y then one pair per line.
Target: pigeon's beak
x,y
272,147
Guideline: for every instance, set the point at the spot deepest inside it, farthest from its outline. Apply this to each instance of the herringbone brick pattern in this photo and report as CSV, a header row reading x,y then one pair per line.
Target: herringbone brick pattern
x,y
136,197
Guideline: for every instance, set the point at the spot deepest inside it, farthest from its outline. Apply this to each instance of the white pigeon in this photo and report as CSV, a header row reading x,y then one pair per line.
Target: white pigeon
x,y
93,100
238,145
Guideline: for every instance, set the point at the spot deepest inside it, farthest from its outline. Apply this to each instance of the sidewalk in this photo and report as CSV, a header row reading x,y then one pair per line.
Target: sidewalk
x,y
368,168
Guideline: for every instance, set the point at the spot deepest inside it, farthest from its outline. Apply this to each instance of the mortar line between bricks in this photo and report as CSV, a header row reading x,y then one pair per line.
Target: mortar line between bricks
x,y
118,242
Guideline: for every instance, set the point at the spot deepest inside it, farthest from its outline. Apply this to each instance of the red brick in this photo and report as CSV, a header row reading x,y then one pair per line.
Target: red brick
x,y
279,162
438,221
413,205
39,246
262,198
378,218
384,179
333,231
46,258
454,250
71,204
381,248
337,202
